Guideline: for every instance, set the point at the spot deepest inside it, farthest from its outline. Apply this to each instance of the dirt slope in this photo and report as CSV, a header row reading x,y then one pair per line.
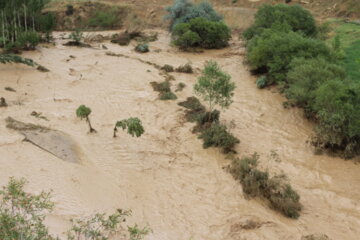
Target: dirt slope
x,y
165,177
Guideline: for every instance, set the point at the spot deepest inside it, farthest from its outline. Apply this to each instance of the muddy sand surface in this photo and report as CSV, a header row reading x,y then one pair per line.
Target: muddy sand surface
x,y
165,177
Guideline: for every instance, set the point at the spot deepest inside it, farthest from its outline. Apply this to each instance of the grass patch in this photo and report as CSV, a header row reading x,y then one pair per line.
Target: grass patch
x,y
275,190
180,87
187,68
352,61
349,35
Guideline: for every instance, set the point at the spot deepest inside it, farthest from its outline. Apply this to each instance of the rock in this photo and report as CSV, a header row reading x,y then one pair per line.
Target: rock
x,y
3,102
317,236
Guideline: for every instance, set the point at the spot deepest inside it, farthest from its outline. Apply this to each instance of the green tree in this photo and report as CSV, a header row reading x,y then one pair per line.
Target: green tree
x,y
200,32
183,11
22,214
84,112
133,125
295,17
215,86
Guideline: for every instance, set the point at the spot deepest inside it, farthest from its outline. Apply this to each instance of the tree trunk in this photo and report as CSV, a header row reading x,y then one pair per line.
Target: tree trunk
x,y
115,130
91,128
25,20
3,27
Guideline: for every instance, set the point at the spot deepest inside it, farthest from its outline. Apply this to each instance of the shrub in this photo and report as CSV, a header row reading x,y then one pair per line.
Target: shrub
x,y
275,61
28,40
168,96
215,86
256,183
187,68
199,32
76,36
180,87
84,112
218,136
161,87
142,48
69,10
194,108
22,214
164,90
205,120
336,104
261,82
306,76
167,68
182,11
295,16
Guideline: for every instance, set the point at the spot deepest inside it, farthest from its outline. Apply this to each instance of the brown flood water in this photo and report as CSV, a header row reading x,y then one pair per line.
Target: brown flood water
x,y
165,177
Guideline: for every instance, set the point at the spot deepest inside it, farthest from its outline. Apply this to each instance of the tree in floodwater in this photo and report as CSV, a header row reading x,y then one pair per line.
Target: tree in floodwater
x,y
215,86
84,112
133,125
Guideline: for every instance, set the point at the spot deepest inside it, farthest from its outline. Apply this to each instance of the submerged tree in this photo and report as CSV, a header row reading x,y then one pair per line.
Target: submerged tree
x,y
133,125
214,86
84,112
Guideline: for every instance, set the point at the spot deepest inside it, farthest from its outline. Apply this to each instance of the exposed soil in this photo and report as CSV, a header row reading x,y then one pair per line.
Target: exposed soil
x,y
165,177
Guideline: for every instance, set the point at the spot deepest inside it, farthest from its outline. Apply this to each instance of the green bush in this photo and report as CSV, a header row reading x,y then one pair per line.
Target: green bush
x,y
256,183
199,32
306,76
142,48
164,90
295,16
76,36
264,57
180,87
336,104
182,11
29,40
218,136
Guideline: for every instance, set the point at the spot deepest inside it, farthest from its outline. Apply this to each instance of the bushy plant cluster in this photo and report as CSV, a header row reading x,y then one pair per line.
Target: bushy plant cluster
x,y
182,11
164,90
294,17
215,88
285,51
197,25
186,68
256,183
199,32
22,217
21,23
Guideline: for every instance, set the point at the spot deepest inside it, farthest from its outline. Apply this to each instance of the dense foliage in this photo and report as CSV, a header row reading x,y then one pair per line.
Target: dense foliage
x,y
217,135
310,72
295,17
182,11
262,56
20,20
257,183
197,25
199,32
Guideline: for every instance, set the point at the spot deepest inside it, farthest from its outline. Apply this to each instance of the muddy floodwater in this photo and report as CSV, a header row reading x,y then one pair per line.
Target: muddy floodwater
x,y
165,177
